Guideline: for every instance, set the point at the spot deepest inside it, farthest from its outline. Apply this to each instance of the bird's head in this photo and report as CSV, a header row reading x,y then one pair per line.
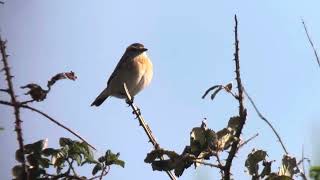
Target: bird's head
x,y
136,49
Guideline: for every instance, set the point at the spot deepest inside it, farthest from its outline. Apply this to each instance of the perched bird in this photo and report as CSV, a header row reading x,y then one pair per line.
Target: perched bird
x,y
134,68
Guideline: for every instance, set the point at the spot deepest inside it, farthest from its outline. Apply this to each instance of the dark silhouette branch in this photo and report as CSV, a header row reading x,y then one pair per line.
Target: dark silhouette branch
x,y
50,118
217,89
4,90
266,120
208,164
145,126
242,110
14,101
311,43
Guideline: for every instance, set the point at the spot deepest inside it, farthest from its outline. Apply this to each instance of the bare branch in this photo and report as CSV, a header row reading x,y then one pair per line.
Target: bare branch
x,y
145,126
50,118
208,164
265,120
14,102
248,140
4,90
242,110
311,43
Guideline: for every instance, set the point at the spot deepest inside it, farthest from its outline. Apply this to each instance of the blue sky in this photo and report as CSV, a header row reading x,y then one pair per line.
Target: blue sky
x,y
191,46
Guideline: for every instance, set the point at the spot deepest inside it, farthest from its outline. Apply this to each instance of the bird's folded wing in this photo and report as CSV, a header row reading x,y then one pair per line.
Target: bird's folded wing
x,y
121,64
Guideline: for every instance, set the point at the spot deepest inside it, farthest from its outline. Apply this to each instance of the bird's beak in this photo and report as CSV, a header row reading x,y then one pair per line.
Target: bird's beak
x,y
144,49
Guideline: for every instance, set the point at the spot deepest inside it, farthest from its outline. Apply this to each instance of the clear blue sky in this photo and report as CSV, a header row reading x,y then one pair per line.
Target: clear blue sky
x,y
191,46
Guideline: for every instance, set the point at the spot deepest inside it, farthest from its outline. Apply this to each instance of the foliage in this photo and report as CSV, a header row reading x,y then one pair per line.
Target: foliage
x,y
37,93
315,172
41,159
204,143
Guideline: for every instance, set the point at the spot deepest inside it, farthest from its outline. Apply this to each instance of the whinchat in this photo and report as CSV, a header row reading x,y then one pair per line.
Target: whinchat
x,y
134,68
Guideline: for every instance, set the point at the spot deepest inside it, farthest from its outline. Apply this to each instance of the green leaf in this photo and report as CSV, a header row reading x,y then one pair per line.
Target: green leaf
x,y
267,168
78,159
275,176
44,162
49,152
96,168
234,122
102,159
211,138
289,166
65,141
315,172
19,155
17,171
33,160
119,162
35,147
253,159
197,136
59,159
225,139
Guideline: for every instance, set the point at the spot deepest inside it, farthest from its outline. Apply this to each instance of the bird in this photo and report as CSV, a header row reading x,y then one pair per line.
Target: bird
x,y
134,68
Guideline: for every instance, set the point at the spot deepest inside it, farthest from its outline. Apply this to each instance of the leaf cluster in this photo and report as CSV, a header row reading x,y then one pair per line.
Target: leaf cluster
x,y
71,153
257,158
37,93
204,143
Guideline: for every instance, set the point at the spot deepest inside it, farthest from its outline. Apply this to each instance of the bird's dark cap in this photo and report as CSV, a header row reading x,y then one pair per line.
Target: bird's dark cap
x,y
137,46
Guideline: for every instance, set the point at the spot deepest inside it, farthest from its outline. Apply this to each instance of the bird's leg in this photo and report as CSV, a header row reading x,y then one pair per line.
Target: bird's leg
x,y
129,101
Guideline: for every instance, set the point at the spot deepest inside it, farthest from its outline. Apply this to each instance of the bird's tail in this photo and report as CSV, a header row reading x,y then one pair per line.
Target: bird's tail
x,y
101,98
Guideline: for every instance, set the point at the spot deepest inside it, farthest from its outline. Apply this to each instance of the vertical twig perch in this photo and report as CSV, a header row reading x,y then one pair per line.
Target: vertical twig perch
x,y
15,103
145,126
242,110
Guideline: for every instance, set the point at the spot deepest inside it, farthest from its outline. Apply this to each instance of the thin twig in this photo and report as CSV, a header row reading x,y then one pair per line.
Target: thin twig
x,y
4,90
242,110
145,126
265,120
106,171
302,172
208,164
26,102
50,118
248,140
15,104
219,163
311,43
71,167
302,159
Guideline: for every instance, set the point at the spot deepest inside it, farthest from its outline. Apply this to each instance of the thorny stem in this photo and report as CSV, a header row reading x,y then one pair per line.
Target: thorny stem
x,y
14,102
145,126
242,110
50,118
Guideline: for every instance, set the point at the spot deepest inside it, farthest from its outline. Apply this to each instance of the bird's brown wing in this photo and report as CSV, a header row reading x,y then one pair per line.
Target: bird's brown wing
x,y
121,64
